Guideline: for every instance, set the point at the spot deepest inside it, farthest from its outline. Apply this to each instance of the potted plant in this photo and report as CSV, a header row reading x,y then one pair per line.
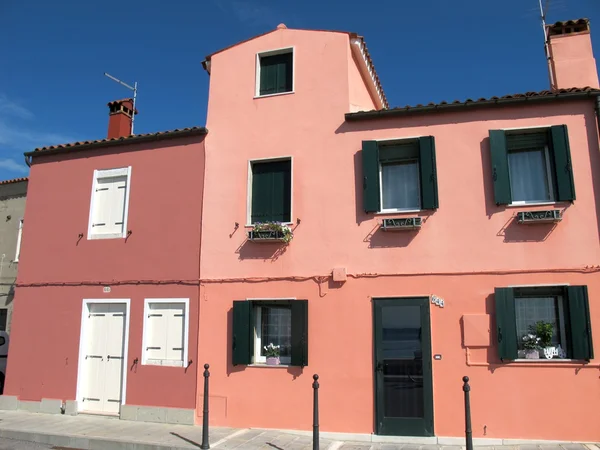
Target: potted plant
x,y
272,354
531,344
271,231
545,331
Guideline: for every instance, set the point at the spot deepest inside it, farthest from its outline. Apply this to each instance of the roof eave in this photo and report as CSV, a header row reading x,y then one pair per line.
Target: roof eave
x,y
121,142
451,107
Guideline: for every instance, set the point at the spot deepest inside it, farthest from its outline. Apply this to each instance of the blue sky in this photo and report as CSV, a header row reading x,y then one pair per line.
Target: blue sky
x,y
54,54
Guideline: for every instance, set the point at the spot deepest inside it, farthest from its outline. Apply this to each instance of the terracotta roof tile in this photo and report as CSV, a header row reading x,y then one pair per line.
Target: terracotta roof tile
x,y
14,180
133,138
470,103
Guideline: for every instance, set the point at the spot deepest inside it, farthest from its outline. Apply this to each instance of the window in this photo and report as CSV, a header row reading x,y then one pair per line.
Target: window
x,y
271,191
273,325
275,72
565,308
531,166
400,175
19,234
109,205
166,330
258,323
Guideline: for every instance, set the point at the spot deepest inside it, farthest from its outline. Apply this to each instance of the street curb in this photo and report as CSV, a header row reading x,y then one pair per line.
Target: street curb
x,y
87,443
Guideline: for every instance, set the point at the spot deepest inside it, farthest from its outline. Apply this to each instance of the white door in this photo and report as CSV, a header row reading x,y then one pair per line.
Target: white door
x,y
102,359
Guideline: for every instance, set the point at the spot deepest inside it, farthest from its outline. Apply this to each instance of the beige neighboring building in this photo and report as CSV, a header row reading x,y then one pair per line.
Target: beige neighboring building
x,y
12,209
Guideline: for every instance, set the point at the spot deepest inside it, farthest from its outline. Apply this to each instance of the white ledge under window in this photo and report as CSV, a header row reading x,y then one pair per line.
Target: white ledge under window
x,y
549,361
274,95
526,205
267,366
397,211
252,225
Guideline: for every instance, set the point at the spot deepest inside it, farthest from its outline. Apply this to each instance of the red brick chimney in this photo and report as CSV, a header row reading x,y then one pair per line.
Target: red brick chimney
x,y
119,118
572,62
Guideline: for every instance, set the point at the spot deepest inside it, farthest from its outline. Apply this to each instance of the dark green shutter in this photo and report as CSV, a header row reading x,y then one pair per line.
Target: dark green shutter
x,y
562,163
500,173
242,332
506,324
276,73
579,318
429,190
271,191
299,333
370,160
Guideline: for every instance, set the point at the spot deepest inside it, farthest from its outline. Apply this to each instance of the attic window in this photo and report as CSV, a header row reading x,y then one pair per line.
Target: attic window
x,y
275,72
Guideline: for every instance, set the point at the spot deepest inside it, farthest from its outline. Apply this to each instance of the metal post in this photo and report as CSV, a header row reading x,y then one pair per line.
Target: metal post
x,y
205,445
468,432
315,412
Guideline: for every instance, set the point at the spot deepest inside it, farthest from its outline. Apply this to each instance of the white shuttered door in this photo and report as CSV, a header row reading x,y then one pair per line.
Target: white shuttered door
x,y
165,334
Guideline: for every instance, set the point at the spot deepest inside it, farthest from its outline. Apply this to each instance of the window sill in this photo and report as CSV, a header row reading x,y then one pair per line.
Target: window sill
x,y
273,95
94,237
267,366
162,363
397,211
549,361
252,225
527,205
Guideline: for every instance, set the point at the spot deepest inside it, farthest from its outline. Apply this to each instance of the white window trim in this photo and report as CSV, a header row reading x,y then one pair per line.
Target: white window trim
x,y
83,343
277,51
258,359
249,187
19,235
186,332
399,210
549,179
110,173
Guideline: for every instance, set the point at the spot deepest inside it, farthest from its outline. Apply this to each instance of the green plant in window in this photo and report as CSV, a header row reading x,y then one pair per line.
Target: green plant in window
x,y
272,351
276,229
531,341
545,331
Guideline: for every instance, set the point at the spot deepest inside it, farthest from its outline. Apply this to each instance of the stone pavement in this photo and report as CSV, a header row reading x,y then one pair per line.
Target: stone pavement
x,y
91,432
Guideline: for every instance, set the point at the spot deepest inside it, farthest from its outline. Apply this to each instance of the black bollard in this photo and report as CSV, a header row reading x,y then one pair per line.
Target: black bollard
x,y
315,412
468,432
205,445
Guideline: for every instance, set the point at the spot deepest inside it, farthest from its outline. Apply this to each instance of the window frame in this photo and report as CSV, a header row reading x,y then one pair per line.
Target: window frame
x,y
19,238
258,306
277,51
383,210
563,331
249,222
106,173
186,331
549,180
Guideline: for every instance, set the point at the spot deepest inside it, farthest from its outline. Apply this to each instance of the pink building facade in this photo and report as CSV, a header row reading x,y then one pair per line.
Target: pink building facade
x,y
429,243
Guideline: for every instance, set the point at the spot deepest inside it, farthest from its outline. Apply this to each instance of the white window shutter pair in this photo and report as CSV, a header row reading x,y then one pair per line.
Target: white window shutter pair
x,y
109,205
164,340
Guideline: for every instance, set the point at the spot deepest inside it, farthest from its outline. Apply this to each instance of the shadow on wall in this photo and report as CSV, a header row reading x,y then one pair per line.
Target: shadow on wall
x,y
593,138
513,231
266,251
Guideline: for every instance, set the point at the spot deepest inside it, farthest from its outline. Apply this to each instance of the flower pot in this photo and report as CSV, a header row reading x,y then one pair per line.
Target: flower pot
x,y
273,361
532,354
550,352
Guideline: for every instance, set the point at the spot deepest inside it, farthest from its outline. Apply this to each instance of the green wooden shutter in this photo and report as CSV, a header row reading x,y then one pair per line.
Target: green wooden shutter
x,y
562,163
429,190
370,160
242,332
268,77
299,333
271,191
500,173
276,73
579,319
506,324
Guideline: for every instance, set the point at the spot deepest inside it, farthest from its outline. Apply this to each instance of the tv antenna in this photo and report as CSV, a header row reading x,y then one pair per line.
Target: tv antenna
x,y
133,88
543,11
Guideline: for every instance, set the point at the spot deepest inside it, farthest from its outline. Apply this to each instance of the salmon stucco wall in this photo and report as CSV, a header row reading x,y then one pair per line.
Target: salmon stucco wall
x,y
465,248
60,267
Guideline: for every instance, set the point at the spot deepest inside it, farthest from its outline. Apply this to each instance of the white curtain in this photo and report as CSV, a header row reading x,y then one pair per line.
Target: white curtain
x,y
528,176
400,185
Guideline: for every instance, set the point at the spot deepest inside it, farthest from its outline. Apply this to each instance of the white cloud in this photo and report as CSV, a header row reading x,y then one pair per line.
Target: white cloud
x,y
10,108
12,166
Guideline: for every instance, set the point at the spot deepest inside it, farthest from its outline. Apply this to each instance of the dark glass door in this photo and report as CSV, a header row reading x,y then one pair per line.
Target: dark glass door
x,y
403,387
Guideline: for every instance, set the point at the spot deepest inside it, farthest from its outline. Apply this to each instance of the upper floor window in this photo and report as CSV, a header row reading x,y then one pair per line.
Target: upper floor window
x,y
109,204
275,72
531,166
399,176
270,196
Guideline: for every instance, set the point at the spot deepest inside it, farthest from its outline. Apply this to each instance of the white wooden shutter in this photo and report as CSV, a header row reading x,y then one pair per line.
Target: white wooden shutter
x,y
100,218
109,203
175,323
156,336
118,205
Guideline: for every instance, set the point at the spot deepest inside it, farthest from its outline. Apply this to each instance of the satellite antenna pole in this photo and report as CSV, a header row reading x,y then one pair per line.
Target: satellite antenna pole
x,y
133,88
543,10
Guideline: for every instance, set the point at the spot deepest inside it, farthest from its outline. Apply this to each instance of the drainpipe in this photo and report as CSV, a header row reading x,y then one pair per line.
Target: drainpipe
x,y
598,113
28,160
